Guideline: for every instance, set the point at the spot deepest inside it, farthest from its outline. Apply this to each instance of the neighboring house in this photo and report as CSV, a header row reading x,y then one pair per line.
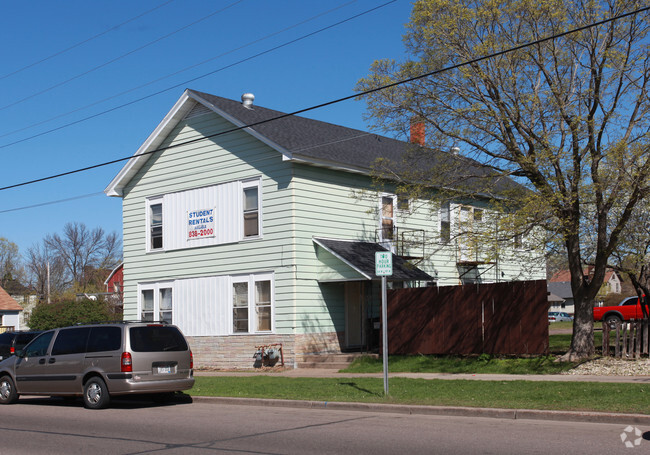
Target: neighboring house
x,y
115,286
560,285
115,281
9,312
562,296
28,303
248,236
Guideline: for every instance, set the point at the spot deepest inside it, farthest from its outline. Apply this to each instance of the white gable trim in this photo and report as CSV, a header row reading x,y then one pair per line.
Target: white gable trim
x,y
337,256
184,105
180,109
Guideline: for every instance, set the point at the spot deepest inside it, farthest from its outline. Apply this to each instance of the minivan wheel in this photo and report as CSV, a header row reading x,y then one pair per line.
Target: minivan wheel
x,y
8,393
96,394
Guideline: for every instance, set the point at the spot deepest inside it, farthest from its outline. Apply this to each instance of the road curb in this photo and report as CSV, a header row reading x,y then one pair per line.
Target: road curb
x,y
497,413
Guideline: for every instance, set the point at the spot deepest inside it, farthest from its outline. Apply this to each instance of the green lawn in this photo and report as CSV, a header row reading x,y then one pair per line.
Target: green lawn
x,y
560,325
558,345
603,397
574,396
452,364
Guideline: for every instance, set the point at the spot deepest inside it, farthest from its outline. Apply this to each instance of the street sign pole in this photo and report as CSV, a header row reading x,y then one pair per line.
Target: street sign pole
x,y
384,331
384,268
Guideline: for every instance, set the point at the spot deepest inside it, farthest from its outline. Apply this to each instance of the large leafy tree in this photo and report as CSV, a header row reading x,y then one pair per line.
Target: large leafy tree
x,y
566,117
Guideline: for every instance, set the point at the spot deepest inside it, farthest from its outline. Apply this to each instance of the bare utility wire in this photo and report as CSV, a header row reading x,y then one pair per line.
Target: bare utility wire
x,y
133,51
188,174
339,100
80,43
59,201
223,54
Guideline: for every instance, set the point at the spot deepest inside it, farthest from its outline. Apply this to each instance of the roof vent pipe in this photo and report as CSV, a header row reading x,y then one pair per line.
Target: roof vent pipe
x,y
247,100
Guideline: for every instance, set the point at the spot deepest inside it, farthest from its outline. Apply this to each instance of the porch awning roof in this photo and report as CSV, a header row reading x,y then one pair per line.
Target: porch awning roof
x,y
360,257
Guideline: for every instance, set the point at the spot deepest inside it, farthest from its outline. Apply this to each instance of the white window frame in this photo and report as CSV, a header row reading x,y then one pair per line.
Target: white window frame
x,y
251,279
155,288
245,184
403,198
150,202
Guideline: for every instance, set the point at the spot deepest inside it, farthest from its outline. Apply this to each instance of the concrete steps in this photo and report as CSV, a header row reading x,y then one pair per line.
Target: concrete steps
x,y
327,361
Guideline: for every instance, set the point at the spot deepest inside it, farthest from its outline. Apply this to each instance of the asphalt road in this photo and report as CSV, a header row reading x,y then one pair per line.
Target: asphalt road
x,y
51,426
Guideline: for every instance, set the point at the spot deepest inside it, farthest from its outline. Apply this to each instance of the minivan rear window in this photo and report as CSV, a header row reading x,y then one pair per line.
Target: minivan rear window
x,y
154,338
105,338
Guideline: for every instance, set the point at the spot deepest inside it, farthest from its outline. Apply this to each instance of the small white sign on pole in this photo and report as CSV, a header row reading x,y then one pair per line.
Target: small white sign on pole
x,y
383,263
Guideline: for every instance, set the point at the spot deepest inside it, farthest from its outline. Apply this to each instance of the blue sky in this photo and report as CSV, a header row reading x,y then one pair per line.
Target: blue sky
x,y
65,64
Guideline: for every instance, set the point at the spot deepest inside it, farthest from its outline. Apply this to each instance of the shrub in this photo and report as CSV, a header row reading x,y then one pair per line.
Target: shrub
x,y
49,316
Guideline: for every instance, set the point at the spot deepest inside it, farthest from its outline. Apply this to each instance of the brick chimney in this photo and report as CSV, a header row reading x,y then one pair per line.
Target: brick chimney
x,y
418,134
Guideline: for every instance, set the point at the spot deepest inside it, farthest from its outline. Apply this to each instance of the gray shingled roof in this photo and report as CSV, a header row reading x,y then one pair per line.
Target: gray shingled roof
x,y
325,143
362,256
561,289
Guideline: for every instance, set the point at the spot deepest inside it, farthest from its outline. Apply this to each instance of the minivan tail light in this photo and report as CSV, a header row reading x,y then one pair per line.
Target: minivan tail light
x,y
127,362
191,361
12,350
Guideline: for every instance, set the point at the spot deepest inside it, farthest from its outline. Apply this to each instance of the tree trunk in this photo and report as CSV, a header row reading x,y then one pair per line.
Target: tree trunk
x,y
582,343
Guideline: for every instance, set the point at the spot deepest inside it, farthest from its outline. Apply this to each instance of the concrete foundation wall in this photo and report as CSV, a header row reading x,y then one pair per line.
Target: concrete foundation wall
x,y
237,352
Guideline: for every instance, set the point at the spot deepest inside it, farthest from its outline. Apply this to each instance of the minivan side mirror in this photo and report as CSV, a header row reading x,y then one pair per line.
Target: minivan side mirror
x,y
20,353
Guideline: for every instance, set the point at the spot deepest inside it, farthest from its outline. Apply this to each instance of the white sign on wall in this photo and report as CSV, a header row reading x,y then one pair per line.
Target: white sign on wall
x,y
200,224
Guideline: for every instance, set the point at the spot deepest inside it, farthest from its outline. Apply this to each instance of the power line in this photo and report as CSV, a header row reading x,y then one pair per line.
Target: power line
x,y
188,174
187,68
80,43
184,83
133,51
339,100
59,201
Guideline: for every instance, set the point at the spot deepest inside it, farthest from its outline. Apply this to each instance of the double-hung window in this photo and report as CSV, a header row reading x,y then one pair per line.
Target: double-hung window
x,y
252,304
155,224
251,208
156,302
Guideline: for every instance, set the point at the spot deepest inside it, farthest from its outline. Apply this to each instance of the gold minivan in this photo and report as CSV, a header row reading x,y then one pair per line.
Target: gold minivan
x,y
100,360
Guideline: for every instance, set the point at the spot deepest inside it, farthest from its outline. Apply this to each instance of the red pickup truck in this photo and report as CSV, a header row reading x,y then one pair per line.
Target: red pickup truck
x,y
629,308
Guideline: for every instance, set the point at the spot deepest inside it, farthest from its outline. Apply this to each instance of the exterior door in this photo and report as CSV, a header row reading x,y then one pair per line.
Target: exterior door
x,y
354,320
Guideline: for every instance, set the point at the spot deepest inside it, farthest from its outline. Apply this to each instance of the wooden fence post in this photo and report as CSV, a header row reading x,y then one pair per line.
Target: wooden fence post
x,y
639,329
646,327
605,339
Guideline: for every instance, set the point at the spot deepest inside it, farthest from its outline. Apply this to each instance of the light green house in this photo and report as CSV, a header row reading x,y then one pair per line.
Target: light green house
x,y
247,227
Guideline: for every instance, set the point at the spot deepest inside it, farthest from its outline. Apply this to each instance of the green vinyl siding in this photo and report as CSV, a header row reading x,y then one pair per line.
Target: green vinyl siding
x,y
232,157
298,202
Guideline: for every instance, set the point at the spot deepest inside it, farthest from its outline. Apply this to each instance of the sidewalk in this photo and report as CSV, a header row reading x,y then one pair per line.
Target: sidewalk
x,y
514,414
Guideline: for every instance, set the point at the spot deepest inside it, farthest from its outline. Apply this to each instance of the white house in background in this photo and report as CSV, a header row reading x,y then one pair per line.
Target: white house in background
x,y
9,312
245,232
560,285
